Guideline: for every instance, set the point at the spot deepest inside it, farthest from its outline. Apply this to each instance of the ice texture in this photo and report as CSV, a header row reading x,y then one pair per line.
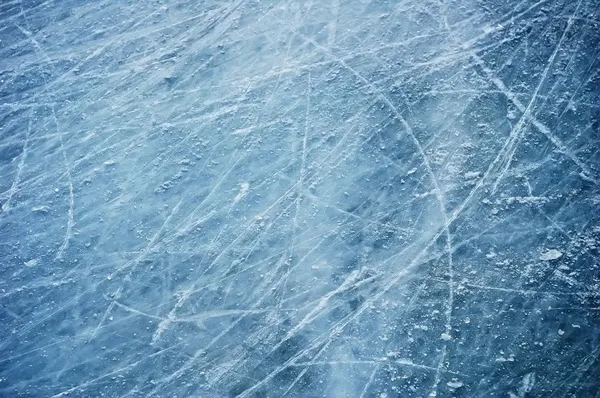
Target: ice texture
x,y
337,198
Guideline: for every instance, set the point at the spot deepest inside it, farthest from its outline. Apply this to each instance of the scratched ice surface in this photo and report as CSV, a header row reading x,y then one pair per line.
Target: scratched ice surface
x,y
345,198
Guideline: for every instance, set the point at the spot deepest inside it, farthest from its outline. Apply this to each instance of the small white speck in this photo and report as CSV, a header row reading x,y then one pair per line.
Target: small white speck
x,y
454,384
551,254
31,263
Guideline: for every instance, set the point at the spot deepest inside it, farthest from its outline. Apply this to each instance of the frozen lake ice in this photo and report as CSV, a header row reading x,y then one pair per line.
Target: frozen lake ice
x,y
338,198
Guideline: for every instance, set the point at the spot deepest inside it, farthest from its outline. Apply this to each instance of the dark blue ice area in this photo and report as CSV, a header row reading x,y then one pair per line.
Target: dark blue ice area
x,y
336,198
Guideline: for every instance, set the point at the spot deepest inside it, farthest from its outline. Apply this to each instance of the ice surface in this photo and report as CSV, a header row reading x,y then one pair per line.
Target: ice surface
x,y
255,198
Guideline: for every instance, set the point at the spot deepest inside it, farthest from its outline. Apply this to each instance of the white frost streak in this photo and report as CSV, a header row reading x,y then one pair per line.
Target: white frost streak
x,y
15,184
70,212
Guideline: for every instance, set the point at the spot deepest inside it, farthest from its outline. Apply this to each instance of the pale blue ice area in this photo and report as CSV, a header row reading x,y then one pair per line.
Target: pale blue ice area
x,y
279,198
